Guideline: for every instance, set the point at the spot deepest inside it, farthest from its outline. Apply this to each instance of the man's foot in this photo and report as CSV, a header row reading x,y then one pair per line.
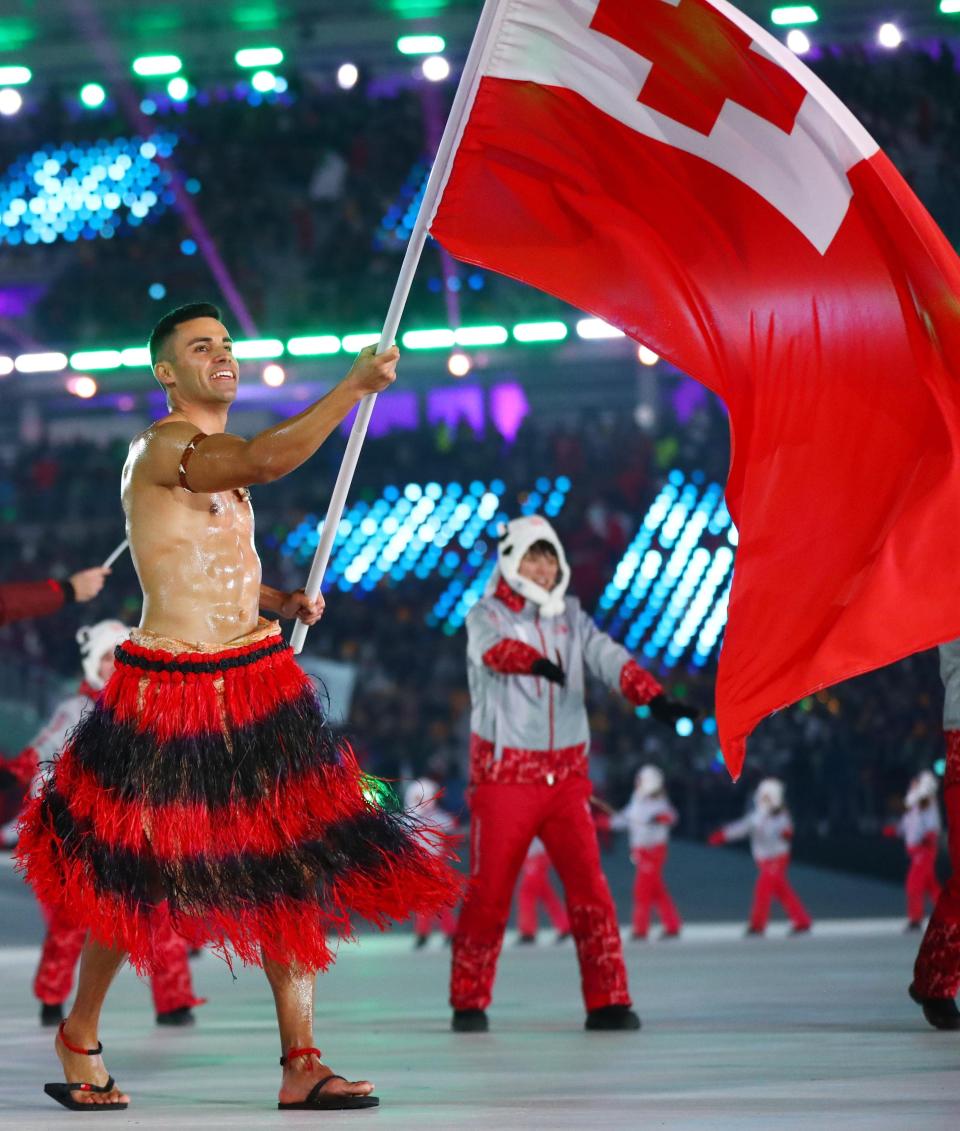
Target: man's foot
x,y
81,1067
526,940
562,936
469,1021
800,929
610,1018
638,936
51,1014
302,1073
420,942
913,925
940,1012
665,936
753,931
179,1017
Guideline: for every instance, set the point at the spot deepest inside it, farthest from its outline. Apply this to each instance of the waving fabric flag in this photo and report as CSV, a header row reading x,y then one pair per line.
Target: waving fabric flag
x,y
671,167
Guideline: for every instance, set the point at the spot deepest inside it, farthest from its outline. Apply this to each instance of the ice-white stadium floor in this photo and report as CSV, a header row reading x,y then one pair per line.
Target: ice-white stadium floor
x,y
773,1034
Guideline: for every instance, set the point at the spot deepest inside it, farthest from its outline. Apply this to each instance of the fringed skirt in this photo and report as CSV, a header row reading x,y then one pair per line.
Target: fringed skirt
x,y
210,779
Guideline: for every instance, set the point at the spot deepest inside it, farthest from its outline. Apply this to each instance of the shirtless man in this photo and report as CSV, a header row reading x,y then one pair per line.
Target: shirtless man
x,y
190,524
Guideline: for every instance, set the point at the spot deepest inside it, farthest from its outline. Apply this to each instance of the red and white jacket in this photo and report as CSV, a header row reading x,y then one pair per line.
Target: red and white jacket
x,y
526,729
49,741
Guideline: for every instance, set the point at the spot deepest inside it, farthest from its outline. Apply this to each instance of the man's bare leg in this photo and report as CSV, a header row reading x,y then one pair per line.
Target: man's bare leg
x,y
293,993
98,968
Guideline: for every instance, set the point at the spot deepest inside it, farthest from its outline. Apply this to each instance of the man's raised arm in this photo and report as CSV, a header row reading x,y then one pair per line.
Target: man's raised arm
x,y
221,462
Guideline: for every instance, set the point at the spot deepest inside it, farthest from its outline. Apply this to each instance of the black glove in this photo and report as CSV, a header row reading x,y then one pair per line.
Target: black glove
x,y
667,711
549,670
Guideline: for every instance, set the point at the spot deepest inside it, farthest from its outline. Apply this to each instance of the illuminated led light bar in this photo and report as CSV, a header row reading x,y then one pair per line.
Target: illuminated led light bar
x,y
792,14
472,336
96,359
40,362
316,345
421,44
259,57
135,357
6,366
950,7
15,76
151,66
665,594
353,343
428,339
251,349
595,330
540,331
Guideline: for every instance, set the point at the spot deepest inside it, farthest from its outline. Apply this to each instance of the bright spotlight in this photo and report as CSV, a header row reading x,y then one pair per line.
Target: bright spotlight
x,y
436,68
347,76
6,366
646,356
798,41
263,81
459,364
92,95
84,387
10,102
274,376
178,89
890,36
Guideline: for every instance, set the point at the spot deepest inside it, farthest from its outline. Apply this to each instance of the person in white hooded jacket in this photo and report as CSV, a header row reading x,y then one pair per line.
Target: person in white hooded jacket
x,y
648,819
529,646
770,829
421,799
919,827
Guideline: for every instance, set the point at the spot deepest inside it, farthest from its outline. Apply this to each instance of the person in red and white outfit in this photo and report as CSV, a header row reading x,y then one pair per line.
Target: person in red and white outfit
x,y
421,800
770,829
536,890
172,985
648,819
529,646
920,829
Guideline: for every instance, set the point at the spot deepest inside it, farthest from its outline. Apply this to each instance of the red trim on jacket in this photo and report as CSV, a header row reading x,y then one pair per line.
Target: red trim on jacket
x,y
638,685
512,657
524,767
510,597
21,600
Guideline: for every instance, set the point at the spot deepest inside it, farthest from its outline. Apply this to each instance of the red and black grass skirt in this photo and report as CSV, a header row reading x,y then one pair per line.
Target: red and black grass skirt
x,y
211,780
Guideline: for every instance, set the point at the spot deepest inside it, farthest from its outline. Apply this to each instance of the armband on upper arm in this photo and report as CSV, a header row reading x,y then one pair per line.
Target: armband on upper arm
x,y
185,460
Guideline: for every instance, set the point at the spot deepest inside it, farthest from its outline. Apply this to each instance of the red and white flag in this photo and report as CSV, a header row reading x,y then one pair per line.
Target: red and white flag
x,y
672,168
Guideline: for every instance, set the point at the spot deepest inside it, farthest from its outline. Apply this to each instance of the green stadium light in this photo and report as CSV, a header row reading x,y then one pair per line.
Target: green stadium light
x,y
468,336
15,76
259,57
950,7
263,81
317,345
96,359
254,349
421,44
540,331
92,95
428,339
152,66
354,343
178,88
135,357
794,14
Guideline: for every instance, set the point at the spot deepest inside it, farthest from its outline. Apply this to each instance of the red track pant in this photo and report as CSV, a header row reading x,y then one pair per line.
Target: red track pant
x,y
505,819
937,971
650,890
772,883
535,888
444,921
921,881
171,984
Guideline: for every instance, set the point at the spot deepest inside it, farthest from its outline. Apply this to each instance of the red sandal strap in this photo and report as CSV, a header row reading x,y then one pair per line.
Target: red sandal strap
x,y
75,1048
294,1053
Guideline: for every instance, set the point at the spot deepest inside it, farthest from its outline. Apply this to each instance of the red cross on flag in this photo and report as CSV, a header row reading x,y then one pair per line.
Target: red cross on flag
x,y
672,168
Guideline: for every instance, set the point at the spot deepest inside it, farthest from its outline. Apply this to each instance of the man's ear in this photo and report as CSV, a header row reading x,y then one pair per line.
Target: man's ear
x,y
163,371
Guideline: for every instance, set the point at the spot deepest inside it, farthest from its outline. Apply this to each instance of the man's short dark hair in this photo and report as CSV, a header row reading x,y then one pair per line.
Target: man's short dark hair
x,y
163,331
543,548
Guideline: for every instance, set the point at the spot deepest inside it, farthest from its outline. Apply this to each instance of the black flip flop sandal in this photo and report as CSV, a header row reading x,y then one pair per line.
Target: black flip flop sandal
x,y
62,1092
317,1102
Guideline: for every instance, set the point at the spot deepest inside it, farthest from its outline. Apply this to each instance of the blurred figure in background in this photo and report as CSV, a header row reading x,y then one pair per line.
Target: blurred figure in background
x,y
919,827
421,800
534,890
22,600
648,819
770,829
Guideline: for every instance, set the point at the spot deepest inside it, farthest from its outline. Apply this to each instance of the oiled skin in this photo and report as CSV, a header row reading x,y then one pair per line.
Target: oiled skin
x,y
194,553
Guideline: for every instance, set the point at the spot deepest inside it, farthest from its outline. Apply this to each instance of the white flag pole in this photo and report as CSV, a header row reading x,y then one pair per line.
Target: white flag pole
x,y
116,554
459,112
